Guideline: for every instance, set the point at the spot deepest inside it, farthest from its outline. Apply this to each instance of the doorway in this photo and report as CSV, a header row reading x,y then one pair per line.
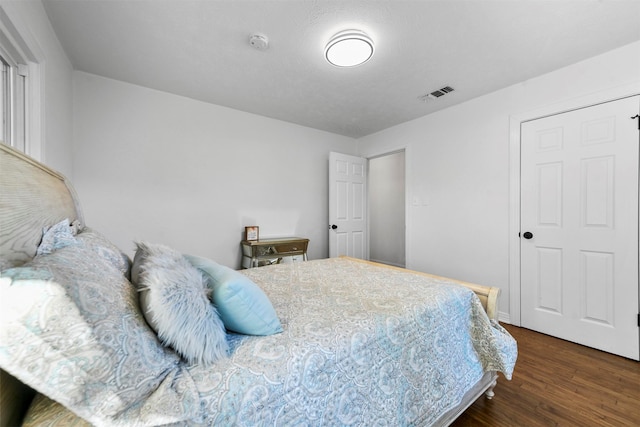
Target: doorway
x,y
387,209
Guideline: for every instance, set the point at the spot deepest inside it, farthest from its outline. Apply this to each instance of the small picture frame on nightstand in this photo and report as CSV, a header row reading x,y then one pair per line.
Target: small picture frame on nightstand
x,y
251,233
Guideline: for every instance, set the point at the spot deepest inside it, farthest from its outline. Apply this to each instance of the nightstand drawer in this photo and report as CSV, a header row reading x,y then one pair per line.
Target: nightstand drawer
x,y
300,246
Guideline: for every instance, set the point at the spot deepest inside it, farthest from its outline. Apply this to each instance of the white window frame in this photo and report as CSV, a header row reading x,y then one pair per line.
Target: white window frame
x,y
14,97
23,57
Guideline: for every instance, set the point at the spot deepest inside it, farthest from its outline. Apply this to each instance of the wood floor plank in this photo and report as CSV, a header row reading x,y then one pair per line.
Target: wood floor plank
x,y
559,383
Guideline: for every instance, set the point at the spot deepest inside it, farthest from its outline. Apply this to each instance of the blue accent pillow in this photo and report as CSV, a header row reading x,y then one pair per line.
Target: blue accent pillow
x,y
243,307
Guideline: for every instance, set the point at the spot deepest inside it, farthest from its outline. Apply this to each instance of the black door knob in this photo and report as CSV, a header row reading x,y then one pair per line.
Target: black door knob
x,y
333,226
527,235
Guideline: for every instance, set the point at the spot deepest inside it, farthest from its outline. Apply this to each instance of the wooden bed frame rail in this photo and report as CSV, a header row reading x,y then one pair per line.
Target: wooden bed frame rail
x,y
488,295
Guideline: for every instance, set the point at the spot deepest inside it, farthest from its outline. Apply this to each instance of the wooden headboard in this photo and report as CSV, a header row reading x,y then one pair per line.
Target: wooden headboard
x,y
32,197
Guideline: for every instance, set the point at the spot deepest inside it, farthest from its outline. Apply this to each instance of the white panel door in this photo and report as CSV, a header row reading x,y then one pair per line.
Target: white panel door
x,y
579,225
347,206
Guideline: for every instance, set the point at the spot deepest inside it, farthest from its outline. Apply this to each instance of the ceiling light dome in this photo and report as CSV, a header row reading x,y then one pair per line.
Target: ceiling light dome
x,y
349,48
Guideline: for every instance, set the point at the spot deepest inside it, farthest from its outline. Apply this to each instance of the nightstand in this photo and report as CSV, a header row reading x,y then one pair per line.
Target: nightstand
x,y
254,251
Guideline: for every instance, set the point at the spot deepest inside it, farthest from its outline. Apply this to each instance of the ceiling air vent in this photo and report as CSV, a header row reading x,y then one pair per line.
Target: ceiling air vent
x,y
436,94
441,92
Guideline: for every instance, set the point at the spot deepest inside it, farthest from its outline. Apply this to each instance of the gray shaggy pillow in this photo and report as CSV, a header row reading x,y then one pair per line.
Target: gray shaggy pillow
x,y
175,301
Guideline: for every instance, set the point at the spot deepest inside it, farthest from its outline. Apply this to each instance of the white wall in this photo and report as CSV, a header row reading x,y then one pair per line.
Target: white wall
x,y
458,166
54,114
153,166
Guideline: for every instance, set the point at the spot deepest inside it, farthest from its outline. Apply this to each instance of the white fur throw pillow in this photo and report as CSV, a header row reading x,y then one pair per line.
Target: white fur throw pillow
x,y
175,301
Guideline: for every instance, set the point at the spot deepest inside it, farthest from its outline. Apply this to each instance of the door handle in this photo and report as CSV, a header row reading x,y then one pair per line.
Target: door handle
x,y
527,235
333,226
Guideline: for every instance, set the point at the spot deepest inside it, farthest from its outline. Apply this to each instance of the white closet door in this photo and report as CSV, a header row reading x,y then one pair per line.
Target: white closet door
x,y
579,206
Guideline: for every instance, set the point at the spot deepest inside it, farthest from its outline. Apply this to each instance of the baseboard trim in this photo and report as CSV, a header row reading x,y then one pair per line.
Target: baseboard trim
x,y
504,317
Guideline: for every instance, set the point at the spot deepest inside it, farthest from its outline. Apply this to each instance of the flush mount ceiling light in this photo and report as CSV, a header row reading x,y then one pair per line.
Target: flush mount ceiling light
x,y
349,48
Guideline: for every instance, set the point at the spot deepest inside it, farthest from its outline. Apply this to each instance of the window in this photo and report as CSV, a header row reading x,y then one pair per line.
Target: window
x,y
20,84
13,90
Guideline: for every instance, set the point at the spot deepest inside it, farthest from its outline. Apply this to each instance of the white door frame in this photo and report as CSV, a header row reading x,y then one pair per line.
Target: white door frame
x,y
515,122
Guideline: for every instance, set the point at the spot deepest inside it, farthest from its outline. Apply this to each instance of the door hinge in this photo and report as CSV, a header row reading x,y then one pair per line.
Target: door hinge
x,y
636,117
639,320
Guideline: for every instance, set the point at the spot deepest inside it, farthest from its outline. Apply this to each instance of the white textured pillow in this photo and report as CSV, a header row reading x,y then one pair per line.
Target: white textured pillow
x,y
175,301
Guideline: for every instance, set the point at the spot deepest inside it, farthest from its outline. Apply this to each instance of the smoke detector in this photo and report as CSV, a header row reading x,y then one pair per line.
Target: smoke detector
x,y
259,42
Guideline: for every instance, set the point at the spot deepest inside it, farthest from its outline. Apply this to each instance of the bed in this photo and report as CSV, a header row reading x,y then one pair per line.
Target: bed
x,y
357,343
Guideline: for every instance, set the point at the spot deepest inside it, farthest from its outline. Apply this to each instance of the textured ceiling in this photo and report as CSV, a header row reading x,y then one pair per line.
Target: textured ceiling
x,y
200,49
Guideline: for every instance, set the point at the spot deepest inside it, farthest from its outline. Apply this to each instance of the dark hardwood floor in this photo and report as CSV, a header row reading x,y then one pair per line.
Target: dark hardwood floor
x,y
559,383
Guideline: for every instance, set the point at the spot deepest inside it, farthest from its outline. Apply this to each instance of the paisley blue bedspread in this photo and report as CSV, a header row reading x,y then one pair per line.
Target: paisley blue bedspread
x,y
362,345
